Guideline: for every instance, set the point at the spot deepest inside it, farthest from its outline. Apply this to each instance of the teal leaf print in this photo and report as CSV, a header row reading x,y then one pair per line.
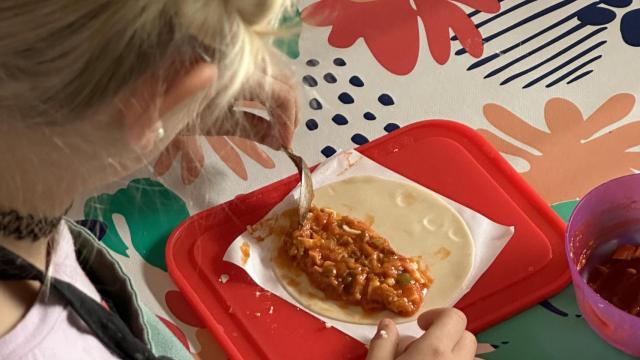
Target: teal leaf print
x,y
151,212
288,43
553,335
565,209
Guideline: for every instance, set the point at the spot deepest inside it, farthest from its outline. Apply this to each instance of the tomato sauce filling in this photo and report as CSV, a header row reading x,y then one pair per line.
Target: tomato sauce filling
x,y
349,262
246,252
617,279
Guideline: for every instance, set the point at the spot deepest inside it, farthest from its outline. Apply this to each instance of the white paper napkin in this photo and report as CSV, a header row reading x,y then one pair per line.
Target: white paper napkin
x,y
489,239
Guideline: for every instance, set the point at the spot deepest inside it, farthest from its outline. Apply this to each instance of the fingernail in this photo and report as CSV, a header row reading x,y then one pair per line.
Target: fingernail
x,y
383,328
385,323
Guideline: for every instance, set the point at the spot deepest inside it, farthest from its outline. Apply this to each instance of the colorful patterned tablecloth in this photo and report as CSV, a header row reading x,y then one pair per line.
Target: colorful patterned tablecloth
x,y
552,84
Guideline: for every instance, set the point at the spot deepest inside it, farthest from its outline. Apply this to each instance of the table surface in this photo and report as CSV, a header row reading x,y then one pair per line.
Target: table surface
x,y
551,84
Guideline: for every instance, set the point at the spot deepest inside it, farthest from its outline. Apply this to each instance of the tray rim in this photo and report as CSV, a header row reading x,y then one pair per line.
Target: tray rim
x,y
554,287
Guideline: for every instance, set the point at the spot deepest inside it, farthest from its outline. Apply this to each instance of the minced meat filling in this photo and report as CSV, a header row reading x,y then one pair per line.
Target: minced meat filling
x,y
350,262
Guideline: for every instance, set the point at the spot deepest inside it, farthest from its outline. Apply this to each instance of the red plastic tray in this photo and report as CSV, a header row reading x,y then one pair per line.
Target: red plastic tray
x,y
444,156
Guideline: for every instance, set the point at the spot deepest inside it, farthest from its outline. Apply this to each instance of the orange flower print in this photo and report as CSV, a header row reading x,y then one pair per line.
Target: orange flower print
x,y
574,157
192,157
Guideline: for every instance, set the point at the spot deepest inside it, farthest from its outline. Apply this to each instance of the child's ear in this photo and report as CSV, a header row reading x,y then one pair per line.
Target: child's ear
x,y
143,105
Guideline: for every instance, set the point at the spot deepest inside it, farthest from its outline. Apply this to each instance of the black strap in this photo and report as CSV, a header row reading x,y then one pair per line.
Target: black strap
x,y
106,325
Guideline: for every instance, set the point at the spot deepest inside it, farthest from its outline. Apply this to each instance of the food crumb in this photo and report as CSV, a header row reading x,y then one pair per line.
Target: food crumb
x,y
262,229
270,309
224,278
383,334
246,252
328,326
443,253
258,314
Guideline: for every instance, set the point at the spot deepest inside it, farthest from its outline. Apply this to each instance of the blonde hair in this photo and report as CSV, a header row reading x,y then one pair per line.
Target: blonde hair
x,y
60,59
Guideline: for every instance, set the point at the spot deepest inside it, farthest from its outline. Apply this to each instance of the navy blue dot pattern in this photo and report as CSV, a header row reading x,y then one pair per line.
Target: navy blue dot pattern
x,y
315,104
390,127
309,81
617,3
356,81
345,98
596,16
328,151
386,100
340,119
630,29
359,139
311,124
369,116
330,78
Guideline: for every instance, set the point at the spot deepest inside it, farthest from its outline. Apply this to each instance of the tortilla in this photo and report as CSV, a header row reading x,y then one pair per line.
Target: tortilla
x,y
415,221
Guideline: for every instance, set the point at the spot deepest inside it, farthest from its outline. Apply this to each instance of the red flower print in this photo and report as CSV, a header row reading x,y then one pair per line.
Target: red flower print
x,y
439,16
390,27
179,334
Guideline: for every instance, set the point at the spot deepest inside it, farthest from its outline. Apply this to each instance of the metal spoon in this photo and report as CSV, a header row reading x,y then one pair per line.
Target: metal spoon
x,y
306,184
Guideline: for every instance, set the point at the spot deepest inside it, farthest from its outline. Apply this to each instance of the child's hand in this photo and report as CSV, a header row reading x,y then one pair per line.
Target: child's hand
x,y
241,131
445,338
274,95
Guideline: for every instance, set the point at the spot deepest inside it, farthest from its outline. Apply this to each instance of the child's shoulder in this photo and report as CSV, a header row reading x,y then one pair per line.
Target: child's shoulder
x,y
118,291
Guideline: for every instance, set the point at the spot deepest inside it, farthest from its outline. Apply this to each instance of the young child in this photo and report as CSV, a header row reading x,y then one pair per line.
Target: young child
x,y
89,92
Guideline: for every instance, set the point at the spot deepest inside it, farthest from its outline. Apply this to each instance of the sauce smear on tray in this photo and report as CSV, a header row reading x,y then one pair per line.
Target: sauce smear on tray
x,y
349,262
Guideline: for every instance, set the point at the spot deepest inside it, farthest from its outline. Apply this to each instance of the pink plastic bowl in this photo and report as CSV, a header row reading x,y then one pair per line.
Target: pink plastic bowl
x,y
607,212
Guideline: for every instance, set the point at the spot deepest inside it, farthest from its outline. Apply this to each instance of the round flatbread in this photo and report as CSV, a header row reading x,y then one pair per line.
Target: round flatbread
x,y
415,221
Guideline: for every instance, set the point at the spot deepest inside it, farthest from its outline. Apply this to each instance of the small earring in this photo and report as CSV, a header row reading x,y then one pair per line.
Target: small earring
x,y
159,133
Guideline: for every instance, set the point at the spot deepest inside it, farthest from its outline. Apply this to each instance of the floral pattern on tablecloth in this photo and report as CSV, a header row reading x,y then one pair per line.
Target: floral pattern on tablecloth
x,y
546,82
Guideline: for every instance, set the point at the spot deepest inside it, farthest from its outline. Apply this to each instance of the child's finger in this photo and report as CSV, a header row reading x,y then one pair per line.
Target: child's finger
x,y
385,344
403,344
443,328
280,96
282,110
466,346
444,321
